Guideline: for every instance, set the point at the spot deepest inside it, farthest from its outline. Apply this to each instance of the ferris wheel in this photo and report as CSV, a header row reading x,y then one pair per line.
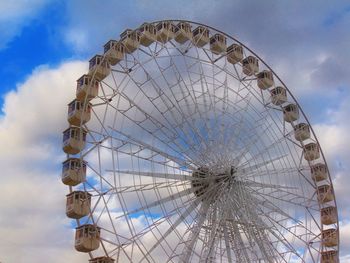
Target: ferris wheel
x,y
185,146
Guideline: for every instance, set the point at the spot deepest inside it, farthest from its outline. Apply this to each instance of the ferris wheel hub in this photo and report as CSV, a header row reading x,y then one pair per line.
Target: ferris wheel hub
x,y
213,180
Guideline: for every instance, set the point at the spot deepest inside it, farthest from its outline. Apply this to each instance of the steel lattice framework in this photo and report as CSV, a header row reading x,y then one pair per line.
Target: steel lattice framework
x,y
190,159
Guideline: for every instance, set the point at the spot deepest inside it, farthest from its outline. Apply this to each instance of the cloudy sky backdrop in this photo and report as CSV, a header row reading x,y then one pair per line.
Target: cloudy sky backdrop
x,y
45,46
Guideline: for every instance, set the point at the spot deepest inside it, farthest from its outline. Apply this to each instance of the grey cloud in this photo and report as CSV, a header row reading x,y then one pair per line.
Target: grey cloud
x,y
288,35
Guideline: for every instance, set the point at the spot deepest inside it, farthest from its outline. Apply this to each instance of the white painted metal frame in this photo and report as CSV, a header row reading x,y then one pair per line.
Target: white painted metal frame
x,y
167,110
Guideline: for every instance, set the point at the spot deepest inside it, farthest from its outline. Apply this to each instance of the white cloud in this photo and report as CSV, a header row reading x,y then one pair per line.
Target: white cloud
x,y
14,15
33,113
345,242
334,138
33,223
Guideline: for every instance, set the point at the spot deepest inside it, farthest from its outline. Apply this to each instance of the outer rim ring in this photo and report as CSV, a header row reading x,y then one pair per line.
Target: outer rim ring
x,y
329,179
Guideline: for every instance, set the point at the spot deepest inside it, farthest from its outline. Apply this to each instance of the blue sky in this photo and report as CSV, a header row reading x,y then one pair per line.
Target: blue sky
x,y
45,46
34,44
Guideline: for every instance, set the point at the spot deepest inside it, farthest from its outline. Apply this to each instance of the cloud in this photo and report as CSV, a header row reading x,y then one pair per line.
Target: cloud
x,y
306,44
334,139
15,15
33,112
33,223
345,242
34,227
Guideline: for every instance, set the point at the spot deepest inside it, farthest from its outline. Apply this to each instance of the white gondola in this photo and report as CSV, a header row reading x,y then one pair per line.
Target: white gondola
x,y
78,113
265,79
87,238
78,204
329,215
86,88
291,112
148,34
330,237
101,260
311,151
200,36
183,32
165,31
234,53
130,40
73,171
301,131
218,43
331,256
319,172
114,51
278,95
250,65
325,193
74,140
98,67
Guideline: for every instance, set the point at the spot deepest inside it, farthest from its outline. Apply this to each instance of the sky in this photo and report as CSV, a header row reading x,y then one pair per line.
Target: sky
x,y
45,46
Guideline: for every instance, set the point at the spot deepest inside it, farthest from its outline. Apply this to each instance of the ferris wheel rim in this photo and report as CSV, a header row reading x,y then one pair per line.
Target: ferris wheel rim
x,y
289,93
